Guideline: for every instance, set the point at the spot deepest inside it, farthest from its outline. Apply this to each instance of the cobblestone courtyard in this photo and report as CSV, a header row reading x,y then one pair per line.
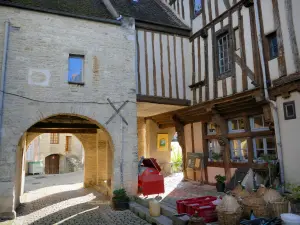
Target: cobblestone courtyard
x,y
61,199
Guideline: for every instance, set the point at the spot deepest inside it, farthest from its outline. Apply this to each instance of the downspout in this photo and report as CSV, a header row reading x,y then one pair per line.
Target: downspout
x,y
112,10
273,104
3,79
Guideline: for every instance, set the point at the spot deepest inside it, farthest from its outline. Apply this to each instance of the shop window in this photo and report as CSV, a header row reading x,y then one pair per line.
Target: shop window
x,y
289,110
54,138
264,147
211,129
258,123
236,125
75,74
223,53
214,151
239,150
273,46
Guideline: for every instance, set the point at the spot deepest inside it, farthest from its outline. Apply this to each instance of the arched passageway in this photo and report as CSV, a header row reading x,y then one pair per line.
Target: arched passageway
x,y
96,142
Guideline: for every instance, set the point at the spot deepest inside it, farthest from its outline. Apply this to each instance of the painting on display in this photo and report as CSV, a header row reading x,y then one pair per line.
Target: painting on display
x,y
162,142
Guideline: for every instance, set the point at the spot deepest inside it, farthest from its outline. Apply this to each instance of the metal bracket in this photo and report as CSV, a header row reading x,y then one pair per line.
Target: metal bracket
x,y
117,112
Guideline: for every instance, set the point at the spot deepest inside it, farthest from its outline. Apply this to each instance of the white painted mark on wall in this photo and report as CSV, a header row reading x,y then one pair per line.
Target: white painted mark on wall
x,y
39,77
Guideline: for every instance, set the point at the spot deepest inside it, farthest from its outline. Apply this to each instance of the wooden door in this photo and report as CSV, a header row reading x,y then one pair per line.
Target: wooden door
x,y
52,164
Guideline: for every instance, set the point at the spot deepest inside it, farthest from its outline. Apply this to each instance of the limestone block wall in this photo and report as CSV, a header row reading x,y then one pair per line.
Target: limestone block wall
x,y
37,69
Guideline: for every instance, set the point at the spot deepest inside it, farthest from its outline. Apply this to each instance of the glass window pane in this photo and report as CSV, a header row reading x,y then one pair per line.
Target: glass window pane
x,y
245,153
260,153
258,122
271,143
290,110
235,144
197,6
244,144
259,143
234,125
237,39
75,69
241,124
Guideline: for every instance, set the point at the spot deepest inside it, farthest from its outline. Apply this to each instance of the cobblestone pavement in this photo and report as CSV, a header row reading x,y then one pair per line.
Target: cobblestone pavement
x,y
67,202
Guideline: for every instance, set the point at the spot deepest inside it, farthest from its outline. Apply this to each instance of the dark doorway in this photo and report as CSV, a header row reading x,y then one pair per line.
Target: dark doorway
x,y
52,164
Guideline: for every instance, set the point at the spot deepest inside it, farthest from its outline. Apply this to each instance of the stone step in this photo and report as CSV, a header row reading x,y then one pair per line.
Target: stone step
x,y
143,212
165,210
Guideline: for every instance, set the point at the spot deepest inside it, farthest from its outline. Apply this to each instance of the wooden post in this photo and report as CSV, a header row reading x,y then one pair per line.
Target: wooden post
x,y
179,127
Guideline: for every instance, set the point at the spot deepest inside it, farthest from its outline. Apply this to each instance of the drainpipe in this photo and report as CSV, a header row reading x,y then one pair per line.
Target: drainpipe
x,y
112,10
273,104
3,78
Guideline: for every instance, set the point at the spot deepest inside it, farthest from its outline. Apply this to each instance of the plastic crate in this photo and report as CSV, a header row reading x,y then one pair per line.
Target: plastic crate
x,y
207,211
183,206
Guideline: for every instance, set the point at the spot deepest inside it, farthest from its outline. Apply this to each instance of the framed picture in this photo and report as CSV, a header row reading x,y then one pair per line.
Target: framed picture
x,y
162,142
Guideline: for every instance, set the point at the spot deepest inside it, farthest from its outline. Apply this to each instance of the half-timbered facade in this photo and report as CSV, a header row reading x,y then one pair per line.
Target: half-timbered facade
x,y
232,121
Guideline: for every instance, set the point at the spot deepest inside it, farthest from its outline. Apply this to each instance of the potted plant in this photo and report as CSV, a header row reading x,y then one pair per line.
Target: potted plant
x,y
294,197
120,200
216,157
220,185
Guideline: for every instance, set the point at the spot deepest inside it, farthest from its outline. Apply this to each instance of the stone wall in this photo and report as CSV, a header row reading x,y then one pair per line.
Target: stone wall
x,y
37,69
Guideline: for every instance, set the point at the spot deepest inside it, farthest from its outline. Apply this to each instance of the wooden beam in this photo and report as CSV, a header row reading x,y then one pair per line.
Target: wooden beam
x,y
65,126
71,131
162,100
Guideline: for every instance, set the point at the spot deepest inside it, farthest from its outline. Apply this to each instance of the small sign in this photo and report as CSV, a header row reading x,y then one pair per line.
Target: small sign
x,y
195,160
162,142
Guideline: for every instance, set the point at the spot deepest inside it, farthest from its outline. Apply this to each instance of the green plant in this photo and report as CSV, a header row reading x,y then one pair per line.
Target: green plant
x,y
295,192
120,194
220,179
216,156
176,158
268,158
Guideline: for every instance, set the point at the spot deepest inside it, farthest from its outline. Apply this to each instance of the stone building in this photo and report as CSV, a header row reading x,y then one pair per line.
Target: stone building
x,y
116,73
57,153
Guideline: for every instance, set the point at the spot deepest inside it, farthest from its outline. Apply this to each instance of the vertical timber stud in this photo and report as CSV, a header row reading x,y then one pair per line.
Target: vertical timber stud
x,y
146,63
194,71
232,52
214,62
193,146
205,150
179,127
182,9
154,65
199,70
138,63
209,10
176,69
161,65
183,68
249,140
243,51
169,65
281,57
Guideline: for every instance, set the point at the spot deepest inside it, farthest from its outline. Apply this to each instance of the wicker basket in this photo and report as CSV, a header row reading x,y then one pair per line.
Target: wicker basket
x,y
278,207
257,204
229,218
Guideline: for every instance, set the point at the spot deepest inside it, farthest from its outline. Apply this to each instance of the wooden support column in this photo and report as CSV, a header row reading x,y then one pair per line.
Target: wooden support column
x,y
179,127
249,140
205,150
222,131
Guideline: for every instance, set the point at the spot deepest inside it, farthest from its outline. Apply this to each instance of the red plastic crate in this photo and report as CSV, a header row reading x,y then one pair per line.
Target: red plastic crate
x,y
208,212
183,205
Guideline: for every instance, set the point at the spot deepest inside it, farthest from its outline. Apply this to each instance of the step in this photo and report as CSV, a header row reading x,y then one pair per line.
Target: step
x,y
143,212
165,210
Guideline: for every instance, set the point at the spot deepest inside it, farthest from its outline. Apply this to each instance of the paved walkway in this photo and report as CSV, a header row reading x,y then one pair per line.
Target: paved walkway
x,y
61,199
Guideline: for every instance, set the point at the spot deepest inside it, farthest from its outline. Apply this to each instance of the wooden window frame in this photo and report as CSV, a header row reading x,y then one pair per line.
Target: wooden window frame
x,y
258,129
230,126
82,57
286,116
265,147
54,138
240,150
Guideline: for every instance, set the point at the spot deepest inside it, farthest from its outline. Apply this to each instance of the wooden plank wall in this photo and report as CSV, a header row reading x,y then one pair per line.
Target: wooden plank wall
x,y
163,64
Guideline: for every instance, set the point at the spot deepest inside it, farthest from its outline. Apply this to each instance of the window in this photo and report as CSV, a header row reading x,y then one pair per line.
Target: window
x,y
214,151
197,7
239,150
258,123
211,129
237,39
236,125
264,146
68,143
75,74
273,47
289,110
54,138
223,53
